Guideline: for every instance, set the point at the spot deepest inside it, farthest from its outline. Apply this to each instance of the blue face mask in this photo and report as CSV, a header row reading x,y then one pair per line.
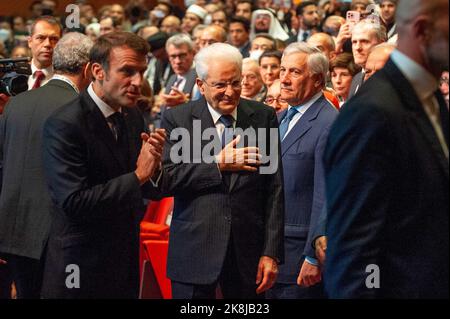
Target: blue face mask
x,y
5,35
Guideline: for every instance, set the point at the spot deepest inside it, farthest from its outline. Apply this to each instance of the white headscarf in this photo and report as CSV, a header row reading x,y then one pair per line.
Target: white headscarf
x,y
275,29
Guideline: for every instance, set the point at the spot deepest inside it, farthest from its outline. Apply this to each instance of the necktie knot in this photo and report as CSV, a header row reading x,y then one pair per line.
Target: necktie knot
x,y
39,76
285,123
227,120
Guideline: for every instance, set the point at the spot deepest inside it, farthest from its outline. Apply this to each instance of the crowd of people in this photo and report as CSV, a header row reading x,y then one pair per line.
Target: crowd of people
x,y
357,91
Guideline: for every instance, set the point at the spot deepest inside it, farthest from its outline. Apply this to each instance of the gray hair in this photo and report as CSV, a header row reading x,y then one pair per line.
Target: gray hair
x,y
179,40
216,52
377,28
317,62
71,53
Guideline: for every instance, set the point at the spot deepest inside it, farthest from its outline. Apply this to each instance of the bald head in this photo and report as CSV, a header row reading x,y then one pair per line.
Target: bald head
x,y
324,43
378,57
171,24
212,34
423,33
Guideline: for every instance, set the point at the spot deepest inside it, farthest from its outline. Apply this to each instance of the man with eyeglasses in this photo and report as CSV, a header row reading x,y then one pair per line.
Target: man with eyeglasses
x,y
180,86
274,98
227,224
45,34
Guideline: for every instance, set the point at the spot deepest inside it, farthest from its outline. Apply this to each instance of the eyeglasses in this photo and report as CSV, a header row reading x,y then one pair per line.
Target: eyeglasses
x,y
222,86
444,80
270,99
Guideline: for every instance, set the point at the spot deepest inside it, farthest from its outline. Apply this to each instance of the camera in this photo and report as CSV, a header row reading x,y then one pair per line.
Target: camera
x,y
14,75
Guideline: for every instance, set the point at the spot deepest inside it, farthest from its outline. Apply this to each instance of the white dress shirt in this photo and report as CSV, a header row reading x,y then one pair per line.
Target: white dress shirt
x,y
301,110
48,72
425,85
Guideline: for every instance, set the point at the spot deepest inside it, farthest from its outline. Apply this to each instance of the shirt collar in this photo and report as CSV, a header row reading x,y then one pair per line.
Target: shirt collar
x,y
216,114
421,80
67,80
47,71
106,110
302,108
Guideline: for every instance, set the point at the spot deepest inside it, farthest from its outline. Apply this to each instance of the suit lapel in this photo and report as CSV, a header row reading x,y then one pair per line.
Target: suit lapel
x,y
417,113
244,121
133,149
200,112
302,126
190,81
98,125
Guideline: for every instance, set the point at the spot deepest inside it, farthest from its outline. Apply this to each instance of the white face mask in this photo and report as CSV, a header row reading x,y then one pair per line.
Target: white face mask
x,y
255,55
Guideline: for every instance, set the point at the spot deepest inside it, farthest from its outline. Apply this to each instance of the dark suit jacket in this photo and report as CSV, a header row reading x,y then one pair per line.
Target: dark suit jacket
x,y
95,194
25,204
304,184
207,212
388,195
191,76
357,82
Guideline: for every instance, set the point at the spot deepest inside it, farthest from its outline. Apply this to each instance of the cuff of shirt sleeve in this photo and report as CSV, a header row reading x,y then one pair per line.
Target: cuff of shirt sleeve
x,y
312,261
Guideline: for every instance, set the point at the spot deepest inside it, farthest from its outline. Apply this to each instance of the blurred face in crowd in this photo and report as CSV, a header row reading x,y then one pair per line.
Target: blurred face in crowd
x,y
362,42
42,42
189,22
87,11
19,25
106,26
376,61
20,52
251,80
212,34
117,12
388,9
263,44
120,85
298,85
171,24
310,17
238,35
244,10
219,18
270,70
197,38
222,86
274,99
444,83
262,23
360,7
322,42
180,58
342,81
36,10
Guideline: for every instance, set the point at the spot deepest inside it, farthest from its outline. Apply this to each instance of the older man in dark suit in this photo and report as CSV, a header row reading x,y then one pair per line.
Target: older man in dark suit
x,y
387,171
227,225
304,129
98,163
25,203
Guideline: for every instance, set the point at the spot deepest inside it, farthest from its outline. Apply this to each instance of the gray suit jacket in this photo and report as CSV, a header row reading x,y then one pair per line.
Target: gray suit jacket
x,y
357,81
25,204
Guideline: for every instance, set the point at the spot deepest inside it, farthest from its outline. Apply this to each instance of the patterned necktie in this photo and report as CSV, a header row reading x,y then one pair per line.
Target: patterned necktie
x,y
227,134
305,36
39,75
285,123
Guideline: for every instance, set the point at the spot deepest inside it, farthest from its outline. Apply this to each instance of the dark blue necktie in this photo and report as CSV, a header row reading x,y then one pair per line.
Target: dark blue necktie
x,y
285,123
227,134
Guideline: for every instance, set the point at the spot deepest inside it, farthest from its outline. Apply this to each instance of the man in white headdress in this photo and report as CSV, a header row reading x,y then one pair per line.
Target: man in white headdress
x,y
264,21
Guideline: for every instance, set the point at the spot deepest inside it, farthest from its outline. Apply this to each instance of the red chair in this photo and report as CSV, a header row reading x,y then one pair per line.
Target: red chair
x,y
156,252
153,225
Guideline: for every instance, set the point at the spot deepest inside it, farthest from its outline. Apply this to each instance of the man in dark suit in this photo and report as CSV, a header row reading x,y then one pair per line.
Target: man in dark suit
x,y
304,130
180,87
98,163
240,35
387,171
365,36
25,204
227,225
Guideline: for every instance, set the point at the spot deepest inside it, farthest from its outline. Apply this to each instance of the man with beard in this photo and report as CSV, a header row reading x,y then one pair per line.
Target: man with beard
x,y
308,17
387,171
